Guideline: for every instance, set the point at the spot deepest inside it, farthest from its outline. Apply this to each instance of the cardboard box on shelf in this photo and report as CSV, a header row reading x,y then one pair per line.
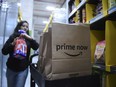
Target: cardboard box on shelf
x,y
65,51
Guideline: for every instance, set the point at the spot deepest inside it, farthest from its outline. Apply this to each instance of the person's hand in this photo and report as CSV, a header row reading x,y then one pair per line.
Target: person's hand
x,y
26,36
14,41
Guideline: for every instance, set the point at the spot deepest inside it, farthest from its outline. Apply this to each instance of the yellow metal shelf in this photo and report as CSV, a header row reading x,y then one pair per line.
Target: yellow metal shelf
x,y
103,27
19,14
49,22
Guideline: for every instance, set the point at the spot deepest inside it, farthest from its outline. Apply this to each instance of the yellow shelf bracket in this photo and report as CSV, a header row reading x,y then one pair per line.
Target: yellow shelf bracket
x,y
49,22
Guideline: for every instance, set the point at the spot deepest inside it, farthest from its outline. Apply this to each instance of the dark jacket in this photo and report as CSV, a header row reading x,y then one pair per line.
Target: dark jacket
x,y
17,64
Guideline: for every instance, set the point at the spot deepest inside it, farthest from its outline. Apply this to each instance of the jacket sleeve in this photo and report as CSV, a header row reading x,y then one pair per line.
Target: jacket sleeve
x,y
8,48
34,44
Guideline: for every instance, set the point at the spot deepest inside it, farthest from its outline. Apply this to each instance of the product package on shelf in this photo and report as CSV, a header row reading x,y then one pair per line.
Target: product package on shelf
x,y
71,3
100,53
65,51
78,16
98,9
83,15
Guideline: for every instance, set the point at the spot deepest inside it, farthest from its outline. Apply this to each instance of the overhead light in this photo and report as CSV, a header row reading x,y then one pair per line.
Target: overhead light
x,y
45,22
19,4
50,8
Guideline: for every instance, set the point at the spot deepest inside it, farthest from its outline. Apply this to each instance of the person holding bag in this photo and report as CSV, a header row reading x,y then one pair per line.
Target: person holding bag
x,y
18,47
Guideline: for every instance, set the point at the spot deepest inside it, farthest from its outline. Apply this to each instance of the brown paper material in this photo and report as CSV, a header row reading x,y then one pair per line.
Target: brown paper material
x,y
65,51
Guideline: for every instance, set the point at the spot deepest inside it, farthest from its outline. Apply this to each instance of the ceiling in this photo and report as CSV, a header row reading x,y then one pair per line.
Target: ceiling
x,y
41,14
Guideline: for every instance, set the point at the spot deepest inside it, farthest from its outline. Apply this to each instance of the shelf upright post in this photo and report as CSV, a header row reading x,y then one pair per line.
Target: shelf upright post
x,y
49,22
105,7
110,35
89,11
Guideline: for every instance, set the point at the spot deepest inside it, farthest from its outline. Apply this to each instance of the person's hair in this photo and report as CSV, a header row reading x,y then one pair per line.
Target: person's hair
x,y
18,27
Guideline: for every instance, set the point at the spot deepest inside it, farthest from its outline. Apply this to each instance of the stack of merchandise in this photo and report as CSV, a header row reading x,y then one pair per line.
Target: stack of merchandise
x,y
83,15
71,3
98,9
71,21
79,16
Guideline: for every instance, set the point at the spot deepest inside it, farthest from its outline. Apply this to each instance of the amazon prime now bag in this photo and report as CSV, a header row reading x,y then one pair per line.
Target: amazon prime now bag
x,y
65,51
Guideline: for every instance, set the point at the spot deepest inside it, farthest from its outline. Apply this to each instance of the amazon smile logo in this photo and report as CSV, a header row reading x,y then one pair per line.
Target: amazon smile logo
x,y
64,47
74,55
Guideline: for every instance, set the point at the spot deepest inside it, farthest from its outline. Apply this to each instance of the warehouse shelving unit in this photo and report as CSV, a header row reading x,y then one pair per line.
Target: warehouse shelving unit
x,y
103,27
75,14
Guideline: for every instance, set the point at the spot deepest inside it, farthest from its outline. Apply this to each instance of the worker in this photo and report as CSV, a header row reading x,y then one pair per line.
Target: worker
x,y
18,47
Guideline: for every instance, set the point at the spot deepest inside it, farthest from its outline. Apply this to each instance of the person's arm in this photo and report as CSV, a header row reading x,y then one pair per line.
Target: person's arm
x,y
8,46
34,44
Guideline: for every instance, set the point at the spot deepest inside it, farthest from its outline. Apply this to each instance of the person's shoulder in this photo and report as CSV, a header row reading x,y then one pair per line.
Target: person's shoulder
x,y
15,34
